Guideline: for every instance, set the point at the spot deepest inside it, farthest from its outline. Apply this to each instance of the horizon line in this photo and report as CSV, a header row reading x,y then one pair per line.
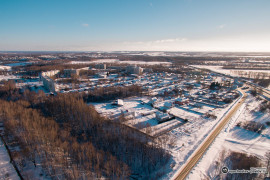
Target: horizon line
x,y
134,51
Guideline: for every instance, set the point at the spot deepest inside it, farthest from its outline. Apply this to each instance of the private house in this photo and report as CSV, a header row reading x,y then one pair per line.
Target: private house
x,y
161,117
118,102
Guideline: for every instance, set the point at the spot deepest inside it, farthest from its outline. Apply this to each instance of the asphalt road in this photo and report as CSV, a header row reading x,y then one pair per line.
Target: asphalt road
x,y
202,149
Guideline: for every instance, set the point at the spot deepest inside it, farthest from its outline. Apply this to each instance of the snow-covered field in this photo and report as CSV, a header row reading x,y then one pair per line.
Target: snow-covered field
x,y
232,72
7,171
234,138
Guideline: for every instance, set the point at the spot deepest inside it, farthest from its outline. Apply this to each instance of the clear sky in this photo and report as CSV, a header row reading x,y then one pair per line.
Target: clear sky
x,y
146,25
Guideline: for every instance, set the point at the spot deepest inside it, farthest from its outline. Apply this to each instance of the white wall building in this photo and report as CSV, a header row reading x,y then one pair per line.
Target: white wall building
x,y
48,83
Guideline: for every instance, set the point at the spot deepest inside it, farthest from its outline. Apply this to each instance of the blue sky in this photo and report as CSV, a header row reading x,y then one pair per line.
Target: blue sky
x,y
109,25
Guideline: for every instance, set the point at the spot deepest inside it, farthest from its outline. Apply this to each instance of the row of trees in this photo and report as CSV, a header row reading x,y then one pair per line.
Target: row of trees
x,y
111,93
262,82
247,66
35,70
251,74
252,126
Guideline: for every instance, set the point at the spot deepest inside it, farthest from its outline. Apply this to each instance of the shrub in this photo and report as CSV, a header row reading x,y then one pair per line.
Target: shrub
x,y
241,161
252,126
227,100
253,92
264,106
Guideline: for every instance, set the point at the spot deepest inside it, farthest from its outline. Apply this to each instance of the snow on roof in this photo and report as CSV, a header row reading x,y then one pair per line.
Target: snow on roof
x,y
179,99
167,104
162,116
120,102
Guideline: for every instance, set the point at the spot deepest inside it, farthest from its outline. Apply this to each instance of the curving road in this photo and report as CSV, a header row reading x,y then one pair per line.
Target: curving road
x,y
202,149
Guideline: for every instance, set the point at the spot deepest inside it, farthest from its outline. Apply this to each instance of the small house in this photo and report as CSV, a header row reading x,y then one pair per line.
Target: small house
x,y
162,116
118,102
168,105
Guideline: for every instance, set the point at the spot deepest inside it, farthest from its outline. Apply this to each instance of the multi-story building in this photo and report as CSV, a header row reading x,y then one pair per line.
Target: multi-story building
x,y
134,70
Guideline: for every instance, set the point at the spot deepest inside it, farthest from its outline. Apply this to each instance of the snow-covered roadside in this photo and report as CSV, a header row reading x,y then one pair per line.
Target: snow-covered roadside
x,y
189,137
234,138
7,171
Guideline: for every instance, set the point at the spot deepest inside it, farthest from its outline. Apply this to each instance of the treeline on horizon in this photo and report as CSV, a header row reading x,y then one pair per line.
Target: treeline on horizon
x,y
71,140
61,62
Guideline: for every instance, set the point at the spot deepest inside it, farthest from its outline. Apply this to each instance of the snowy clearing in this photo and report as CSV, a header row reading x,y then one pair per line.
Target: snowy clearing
x,y
231,72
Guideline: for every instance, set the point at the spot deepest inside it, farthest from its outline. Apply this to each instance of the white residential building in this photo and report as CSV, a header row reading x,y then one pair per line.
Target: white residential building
x,y
134,70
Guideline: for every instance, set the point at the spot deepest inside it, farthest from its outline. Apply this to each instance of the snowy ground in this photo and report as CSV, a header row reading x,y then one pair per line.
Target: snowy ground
x,y
141,116
231,72
184,138
234,138
187,138
7,171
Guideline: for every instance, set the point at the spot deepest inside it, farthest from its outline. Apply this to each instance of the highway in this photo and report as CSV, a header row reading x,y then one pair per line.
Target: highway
x,y
196,156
